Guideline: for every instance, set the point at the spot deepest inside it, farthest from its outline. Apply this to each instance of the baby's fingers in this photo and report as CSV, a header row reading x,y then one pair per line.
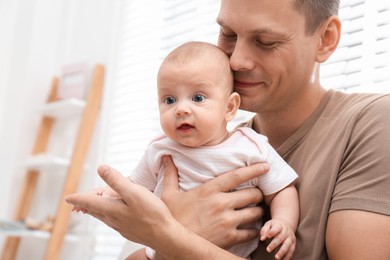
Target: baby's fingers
x,y
286,250
270,229
275,242
78,209
264,231
276,231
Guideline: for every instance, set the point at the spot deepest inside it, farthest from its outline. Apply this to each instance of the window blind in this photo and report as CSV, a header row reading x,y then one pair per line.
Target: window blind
x,y
361,63
148,30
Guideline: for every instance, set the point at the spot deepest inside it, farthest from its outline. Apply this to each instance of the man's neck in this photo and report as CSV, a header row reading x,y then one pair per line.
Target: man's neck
x,y
279,126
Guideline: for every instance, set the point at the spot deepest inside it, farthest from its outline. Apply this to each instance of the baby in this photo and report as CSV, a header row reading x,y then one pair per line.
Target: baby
x,y
196,101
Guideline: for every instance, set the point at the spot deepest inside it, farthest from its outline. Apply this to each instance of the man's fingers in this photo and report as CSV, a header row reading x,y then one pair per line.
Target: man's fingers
x,y
89,202
171,177
245,235
230,180
94,205
114,179
93,202
249,215
243,198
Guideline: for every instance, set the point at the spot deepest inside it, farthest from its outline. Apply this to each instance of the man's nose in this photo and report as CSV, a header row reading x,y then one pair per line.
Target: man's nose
x,y
241,58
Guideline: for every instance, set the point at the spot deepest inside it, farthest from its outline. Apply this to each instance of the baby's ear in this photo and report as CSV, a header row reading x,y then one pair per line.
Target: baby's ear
x,y
232,106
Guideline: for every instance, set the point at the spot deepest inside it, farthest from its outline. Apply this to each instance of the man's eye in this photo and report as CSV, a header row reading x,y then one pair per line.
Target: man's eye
x,y
227,35
198,98
169,100
268,45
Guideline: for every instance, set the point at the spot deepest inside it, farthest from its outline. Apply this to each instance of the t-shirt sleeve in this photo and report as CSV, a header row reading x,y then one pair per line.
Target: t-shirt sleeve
x,y
145,173
364,178
280,174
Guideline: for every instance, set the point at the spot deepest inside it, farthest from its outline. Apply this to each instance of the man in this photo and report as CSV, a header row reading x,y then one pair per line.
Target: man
x,y
338,144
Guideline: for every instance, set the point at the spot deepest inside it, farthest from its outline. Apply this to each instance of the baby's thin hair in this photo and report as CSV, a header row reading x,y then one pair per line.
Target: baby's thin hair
x,y
187,52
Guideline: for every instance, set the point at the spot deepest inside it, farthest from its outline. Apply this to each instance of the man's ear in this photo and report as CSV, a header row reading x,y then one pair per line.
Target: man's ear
x,y
232,106
330,33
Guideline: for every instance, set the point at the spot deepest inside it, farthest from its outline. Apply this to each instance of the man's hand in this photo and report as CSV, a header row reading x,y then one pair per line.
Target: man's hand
x,y
211,209
136,213
101,191
140,216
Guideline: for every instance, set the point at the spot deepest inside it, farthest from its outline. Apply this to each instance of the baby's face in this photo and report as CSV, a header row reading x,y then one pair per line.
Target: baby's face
x,y
193,102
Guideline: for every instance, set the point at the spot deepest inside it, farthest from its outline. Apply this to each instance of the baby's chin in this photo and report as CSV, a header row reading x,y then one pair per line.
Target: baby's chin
x,y
190,144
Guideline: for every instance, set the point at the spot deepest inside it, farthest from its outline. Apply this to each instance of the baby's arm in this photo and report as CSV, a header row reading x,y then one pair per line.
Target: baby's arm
x,y
285,216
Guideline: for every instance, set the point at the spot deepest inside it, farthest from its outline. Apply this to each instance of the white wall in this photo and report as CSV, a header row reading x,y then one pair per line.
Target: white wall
x,y
38,37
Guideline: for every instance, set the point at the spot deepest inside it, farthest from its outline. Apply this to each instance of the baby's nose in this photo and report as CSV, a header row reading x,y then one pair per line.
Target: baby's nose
x,y
182,109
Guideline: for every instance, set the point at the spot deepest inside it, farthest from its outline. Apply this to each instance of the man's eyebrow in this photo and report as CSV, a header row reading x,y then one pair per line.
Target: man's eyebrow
x,y
264,30
269,31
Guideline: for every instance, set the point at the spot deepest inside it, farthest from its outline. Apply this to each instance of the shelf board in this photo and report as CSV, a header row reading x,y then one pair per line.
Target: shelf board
x,y
46,161
14,228
63,108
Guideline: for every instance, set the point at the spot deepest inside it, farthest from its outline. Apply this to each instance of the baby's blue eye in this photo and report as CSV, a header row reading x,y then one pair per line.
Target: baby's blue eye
x,y
169,100
198,98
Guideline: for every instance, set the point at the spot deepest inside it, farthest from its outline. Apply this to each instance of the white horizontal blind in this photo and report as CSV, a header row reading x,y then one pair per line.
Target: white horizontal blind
x,y
362,62
133,101
148,30
129,116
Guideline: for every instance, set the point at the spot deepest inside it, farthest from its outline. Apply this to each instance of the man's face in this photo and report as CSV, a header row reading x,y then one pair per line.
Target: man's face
x,y
269,52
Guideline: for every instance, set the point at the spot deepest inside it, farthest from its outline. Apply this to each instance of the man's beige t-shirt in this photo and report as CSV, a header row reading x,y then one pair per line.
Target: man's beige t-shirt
x,y
342,156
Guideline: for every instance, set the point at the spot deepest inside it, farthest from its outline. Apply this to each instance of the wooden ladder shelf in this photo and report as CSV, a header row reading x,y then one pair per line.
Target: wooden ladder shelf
x,y
74,172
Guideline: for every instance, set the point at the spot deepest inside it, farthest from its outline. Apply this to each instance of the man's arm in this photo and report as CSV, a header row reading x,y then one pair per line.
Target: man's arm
x,y
140,216
353,234
358,226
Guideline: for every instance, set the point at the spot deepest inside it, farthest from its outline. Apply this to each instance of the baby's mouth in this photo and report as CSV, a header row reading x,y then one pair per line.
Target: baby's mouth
x,y
185,126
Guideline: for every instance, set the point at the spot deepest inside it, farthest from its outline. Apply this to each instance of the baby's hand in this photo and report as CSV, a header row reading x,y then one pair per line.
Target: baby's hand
x,y
282,235
101,191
